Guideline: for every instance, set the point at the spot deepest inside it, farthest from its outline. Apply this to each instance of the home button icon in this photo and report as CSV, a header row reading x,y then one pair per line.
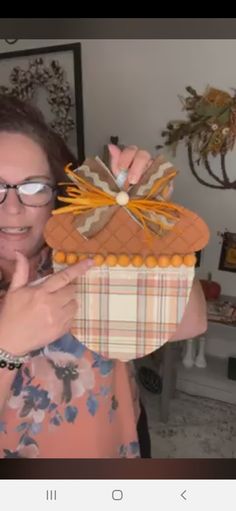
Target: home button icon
x,y
117,495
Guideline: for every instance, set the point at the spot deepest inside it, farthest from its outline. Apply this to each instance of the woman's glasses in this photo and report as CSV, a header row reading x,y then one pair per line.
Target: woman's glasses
x,y
34,194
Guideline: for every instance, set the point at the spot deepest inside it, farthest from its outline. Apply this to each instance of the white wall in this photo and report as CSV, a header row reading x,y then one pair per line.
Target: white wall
x,y
131,89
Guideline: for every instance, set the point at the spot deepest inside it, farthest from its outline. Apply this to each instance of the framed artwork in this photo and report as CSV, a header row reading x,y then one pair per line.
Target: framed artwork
x,y
50,77
228,252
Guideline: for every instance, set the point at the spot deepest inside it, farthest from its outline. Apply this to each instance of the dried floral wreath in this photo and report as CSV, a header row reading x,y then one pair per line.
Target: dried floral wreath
x,y
24,84
210,130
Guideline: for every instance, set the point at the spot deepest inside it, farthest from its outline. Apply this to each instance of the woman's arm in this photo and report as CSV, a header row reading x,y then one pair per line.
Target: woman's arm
x,y
194,320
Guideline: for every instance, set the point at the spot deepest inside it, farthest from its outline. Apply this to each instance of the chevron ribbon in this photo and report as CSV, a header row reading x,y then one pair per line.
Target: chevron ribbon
x,y
94,197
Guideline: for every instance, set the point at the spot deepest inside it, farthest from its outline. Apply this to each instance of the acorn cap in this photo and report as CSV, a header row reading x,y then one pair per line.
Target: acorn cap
x,y
123,235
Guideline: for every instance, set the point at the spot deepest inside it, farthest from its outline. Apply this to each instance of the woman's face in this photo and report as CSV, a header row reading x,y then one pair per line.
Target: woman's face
x,y
21,227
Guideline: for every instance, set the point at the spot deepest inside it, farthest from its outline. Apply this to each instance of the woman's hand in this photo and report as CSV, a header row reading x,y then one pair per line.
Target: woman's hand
x,y
135,161
33,316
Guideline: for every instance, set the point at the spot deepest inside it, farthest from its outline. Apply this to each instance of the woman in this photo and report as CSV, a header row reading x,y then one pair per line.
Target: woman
x,y
64,401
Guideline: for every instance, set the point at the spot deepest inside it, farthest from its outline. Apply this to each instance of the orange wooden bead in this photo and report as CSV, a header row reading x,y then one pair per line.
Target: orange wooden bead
x,y
163,261
59,257
111,260
151,261
123,260
137,261
71,258
98,259
190,259
176,260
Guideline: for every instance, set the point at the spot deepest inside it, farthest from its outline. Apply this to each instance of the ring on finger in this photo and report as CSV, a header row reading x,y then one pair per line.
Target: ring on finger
x,y
121,178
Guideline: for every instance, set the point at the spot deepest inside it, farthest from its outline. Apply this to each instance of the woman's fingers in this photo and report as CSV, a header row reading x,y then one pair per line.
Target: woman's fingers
x,y
131,159
63,296
140,164
114,152
127,157
62,278
121,160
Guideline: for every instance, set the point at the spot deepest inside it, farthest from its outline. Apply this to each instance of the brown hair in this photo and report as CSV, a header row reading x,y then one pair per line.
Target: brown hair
x,y
17,116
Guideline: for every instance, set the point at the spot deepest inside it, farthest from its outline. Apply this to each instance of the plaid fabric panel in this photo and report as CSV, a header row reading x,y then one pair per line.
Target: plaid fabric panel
x,y
129,313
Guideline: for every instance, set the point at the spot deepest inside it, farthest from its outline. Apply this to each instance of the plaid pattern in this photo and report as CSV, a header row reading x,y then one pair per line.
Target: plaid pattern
x,y
128,313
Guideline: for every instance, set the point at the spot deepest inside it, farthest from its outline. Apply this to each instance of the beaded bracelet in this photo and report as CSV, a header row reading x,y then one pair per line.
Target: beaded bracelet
x,y
9,361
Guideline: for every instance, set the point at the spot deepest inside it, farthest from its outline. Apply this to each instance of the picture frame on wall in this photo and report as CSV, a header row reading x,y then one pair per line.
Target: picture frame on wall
x,y
228,252
51,78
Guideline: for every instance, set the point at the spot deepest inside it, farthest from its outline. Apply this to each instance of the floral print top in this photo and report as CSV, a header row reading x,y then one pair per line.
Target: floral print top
x,y
69,402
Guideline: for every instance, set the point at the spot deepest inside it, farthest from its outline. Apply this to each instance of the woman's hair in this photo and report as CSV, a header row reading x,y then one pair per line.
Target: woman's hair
x,y
17,116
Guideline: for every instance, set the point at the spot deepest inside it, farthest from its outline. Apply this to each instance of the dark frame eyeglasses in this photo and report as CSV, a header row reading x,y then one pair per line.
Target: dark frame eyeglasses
x,y
30,194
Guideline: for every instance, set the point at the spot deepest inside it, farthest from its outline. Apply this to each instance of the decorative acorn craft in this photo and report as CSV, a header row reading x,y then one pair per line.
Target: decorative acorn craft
x,y
132,300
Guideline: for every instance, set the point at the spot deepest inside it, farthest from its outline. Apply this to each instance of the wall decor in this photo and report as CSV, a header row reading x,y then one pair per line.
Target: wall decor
x,y
209,131
51,77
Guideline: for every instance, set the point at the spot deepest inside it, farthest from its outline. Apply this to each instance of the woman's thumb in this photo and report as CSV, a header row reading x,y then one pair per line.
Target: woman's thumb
x,y
21,274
